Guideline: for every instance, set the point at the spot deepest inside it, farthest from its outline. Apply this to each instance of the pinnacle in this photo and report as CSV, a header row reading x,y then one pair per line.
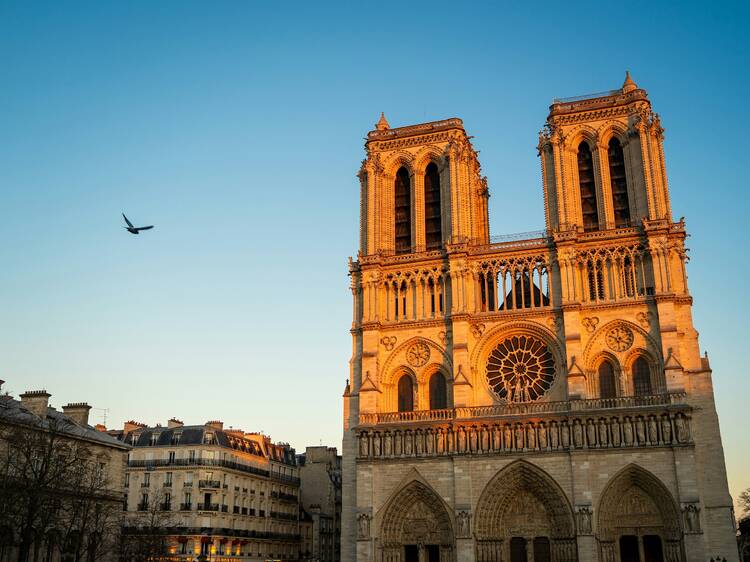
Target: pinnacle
x,y
628,85
382,124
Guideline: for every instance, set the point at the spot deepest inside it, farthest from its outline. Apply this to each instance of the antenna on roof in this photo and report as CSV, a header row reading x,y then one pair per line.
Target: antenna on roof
x,y
104,412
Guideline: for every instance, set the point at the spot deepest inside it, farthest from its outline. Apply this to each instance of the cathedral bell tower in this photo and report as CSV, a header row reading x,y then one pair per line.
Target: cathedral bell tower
x,y
421,189
535,397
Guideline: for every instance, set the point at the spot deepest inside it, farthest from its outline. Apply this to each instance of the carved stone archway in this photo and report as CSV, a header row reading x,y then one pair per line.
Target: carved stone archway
x,y
523,505
634,506
416,527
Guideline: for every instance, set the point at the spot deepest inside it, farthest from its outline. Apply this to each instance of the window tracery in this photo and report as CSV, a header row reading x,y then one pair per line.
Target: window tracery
x,y
402,213
520,369
432,208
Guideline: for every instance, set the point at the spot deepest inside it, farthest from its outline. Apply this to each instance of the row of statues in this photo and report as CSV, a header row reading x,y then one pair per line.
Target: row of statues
x,y
556,434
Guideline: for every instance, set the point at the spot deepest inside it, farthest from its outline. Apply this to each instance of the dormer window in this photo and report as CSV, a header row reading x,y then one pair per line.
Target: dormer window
x,y
154,438
208,438
176,437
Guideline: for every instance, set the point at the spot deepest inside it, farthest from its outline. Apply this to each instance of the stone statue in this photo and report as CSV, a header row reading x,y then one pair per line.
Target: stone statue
x,y
565,435
615,427
542,436
681,428
666,429
363,526
577,434
463,524
508,436
640,430
388,444
376,445
692,519
554,437
531,436
603,437
653,430
362,444
627,432
584,520
591,433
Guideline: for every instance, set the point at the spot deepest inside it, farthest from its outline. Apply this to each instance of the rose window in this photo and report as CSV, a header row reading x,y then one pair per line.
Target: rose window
x,y
620,338
418,354
520,369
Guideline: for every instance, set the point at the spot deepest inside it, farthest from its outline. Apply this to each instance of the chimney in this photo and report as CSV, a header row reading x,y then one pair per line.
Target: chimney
x,y
36,402
101,427
2,382
131,425
174,422
215,424
78,412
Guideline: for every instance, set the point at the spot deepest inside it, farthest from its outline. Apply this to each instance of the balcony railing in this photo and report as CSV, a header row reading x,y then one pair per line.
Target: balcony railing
x,y
209,484
145,484
523,408
166,506
186,506
154,463
142,506
208,507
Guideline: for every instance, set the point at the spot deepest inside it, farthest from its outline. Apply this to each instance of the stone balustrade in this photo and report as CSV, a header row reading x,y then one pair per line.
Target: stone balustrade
x,y
522,408
667,424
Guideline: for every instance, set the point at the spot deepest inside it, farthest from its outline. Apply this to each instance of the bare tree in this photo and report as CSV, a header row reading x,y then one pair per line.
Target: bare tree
x,y
145,531
55,495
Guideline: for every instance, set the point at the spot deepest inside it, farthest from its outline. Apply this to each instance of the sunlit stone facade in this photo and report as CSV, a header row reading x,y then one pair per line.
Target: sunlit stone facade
x,y
533,397
221,493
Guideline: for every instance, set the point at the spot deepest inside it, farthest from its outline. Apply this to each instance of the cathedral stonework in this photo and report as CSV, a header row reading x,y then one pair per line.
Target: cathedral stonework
x,y
530,398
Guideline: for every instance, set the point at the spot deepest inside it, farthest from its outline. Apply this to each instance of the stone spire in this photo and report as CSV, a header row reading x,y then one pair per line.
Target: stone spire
x,y
628,85
382,124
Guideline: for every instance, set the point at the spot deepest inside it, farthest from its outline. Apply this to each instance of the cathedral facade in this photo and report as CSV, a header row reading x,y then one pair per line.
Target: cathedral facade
x,y
539,397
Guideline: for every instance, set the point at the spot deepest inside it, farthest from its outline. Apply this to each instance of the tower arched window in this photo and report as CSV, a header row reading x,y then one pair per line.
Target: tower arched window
x,y
641,377
402,213
432,218
587,186
438,392
619,184
607,388
405,394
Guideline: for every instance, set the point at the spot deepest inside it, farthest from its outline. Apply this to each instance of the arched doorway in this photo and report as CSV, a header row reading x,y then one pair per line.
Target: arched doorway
x,y
524,516
638,519
416,527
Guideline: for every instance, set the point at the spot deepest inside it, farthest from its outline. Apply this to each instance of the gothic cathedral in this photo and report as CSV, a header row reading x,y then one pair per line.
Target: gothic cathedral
x,y
532,398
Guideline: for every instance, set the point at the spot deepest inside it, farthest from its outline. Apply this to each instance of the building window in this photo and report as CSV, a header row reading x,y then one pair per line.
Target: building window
x,y
438,392
168,479
127,479
641,377
587,186
146,479
432,218
171,457
405,394
191,455
607,388
154,438
619,184
402,189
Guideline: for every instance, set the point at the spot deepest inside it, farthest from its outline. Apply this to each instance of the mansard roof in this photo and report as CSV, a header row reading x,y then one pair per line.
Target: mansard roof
x,y
196,435
14,413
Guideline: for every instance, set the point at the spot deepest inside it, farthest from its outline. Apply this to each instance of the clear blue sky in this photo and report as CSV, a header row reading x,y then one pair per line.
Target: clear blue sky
x,y
237,129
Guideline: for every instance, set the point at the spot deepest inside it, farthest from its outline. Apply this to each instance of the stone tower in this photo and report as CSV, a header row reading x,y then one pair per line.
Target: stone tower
x,y
538,397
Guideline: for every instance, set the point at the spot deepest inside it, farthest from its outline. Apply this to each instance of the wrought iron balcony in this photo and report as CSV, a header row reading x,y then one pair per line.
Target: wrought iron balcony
x,y
166,506
208,507
209,484
186,506
142,506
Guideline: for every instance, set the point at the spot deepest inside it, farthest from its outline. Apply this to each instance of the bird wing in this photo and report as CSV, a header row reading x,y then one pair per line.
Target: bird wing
x,y
130,224
145,227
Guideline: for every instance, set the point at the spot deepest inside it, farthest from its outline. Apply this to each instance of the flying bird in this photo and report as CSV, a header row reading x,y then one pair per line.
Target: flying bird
x,y
134,229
